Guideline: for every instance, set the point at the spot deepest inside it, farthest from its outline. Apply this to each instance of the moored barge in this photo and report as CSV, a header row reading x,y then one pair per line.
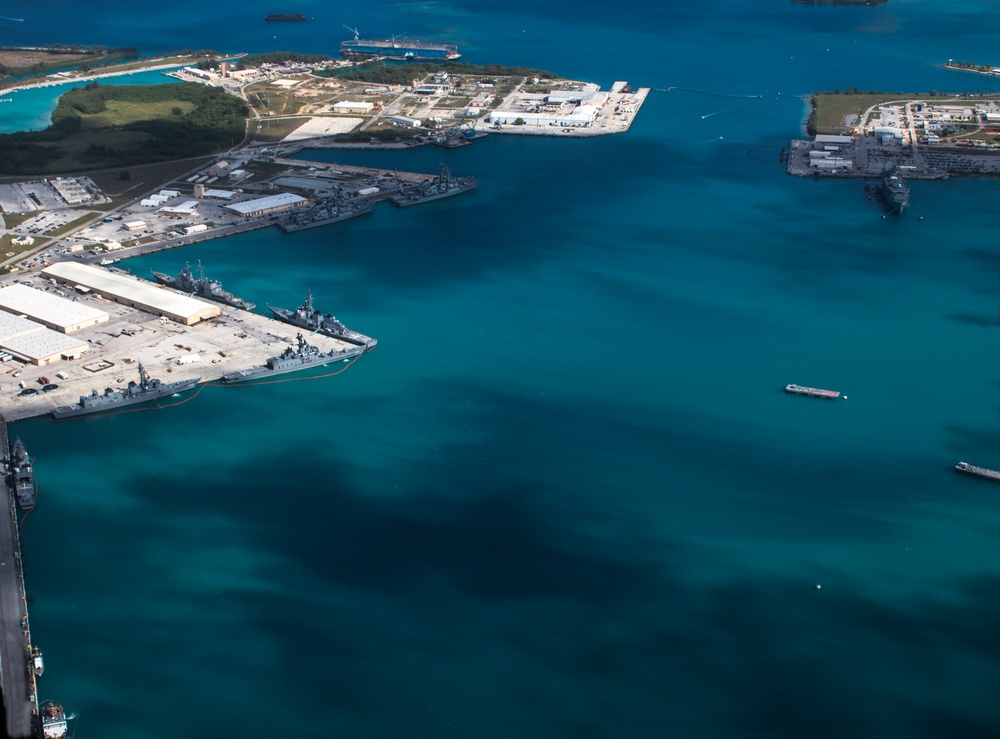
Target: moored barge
x,y
812,392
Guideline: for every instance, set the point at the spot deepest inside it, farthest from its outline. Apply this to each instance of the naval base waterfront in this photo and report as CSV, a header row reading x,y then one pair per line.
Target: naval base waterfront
x,y
20,691
233,341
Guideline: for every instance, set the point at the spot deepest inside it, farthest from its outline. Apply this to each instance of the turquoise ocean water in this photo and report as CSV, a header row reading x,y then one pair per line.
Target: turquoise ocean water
x,y
566,495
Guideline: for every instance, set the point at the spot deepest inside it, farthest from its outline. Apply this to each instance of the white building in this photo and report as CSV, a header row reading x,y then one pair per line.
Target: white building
x,y
265,206
350,107
49,310
133,292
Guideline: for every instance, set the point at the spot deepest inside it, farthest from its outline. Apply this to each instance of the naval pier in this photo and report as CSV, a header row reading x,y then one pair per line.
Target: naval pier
x,y
20,691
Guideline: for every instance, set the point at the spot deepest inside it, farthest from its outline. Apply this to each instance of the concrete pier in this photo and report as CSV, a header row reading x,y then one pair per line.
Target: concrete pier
x,y
20,694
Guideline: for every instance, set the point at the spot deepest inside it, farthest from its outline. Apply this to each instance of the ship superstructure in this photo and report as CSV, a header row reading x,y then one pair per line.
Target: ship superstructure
x,y
22,475
202,287
148,388
293,359
895,191
307,317
444,185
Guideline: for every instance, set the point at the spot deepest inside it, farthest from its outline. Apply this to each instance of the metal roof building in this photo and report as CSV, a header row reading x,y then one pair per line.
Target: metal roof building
x,y
134,293
11,326
263,206
44,346
49,310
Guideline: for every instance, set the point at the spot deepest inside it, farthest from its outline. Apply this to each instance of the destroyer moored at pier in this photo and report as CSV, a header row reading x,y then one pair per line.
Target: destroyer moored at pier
x,y
22,475
971,469
202,287
301,357
812,392
307,317
444,185
148,388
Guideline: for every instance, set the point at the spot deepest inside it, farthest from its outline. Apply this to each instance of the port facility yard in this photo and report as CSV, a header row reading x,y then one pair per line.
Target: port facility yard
x,y
291,103
234,340
927,137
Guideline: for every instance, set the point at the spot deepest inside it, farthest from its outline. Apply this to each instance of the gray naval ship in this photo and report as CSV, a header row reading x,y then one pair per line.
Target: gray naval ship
x,y
202,287
445,185
307,317
22,475
301,357
148,388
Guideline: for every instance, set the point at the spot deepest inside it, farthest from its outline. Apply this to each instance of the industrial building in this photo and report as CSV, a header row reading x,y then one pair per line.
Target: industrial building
x,y
70,190
184,210
49,310
347,106
580,117
265,206
133,292
36,344
44,347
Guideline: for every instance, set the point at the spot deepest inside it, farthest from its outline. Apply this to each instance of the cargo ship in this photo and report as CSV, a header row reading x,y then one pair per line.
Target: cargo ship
x,y
895,191
147,389
971,469
396,48
202,287
444,185
284,17
303,356
23,476
307,317
812,392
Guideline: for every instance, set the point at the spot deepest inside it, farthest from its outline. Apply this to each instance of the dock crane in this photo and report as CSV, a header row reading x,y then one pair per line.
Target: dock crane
x,y
352,30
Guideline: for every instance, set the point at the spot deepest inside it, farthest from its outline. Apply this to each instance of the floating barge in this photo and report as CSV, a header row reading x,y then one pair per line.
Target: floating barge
x,y
812,392
971,469
395,48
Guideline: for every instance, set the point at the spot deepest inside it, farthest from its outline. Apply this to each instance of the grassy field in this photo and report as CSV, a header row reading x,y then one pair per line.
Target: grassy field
x,y
274,129
831,109
140,179
120,112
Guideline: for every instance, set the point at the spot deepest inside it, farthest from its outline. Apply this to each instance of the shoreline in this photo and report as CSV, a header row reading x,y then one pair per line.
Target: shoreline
x,y
47,82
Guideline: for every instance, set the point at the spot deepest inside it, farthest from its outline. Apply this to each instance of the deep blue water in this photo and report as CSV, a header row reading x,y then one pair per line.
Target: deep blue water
x,y
565,496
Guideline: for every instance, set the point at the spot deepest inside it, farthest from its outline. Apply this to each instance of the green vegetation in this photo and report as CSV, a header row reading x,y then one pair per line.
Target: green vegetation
x,y
114,126
829,109
404,73
279,57
274,129
59,56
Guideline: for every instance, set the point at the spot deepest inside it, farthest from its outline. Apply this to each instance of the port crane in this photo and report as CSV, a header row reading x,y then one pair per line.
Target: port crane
x,y
357,35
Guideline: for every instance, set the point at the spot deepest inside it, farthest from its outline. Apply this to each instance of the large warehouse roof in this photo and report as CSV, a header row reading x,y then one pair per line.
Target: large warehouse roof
x,y
264,204
44,346
51,310
11,325
133,292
